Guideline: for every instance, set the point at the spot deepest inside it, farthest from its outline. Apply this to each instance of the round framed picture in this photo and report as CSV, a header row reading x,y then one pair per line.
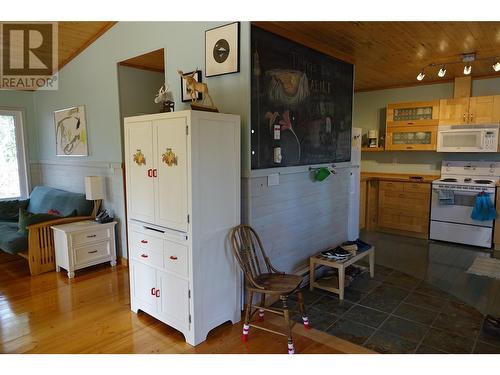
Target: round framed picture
x,y
222,50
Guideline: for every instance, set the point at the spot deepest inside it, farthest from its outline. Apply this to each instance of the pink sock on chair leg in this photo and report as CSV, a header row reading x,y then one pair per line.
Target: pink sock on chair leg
x,y
261,315
244,336
305,319
291,349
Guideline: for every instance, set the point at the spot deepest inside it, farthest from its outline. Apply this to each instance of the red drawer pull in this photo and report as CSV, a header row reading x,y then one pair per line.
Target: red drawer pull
x,y
158,293
144,241
144,255
150,173
173,257
153,291
155,173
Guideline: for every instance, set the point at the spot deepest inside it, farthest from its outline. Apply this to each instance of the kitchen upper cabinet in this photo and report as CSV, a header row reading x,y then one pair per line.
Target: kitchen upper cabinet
x,y
474,110
413,113
411,138
454,111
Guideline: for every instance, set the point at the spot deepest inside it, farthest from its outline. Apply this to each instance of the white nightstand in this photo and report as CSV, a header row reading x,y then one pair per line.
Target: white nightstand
x,y
83,244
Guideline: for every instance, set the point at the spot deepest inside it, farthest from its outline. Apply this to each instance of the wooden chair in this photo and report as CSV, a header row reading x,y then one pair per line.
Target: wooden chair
x,y
249,252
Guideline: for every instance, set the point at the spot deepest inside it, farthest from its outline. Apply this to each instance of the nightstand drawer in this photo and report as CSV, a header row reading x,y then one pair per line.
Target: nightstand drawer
x,y
92,252
94,235
176,258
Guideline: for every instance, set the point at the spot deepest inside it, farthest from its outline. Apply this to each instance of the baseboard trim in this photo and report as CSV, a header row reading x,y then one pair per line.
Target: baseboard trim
x,y
124,261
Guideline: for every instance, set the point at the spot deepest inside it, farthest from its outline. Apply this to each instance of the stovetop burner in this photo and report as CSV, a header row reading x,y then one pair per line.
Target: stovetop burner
x,y
483,181
449,180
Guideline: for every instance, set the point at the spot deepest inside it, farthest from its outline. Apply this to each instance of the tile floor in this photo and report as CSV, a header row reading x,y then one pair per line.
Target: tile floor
x,y
421,300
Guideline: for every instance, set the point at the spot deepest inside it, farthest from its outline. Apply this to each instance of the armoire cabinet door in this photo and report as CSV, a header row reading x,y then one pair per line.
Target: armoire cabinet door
x,y
144,286
174,300
140,165
171,179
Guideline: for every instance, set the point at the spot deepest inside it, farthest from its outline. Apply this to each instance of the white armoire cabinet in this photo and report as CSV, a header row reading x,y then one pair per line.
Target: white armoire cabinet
x,y
183,197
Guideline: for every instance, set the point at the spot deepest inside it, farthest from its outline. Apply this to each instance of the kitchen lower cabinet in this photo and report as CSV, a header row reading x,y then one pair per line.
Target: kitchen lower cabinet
x,y
405,207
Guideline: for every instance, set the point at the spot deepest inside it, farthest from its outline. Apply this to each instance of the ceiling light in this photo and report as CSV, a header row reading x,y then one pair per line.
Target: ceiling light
x,y
467,69
421,75
442,71
496,66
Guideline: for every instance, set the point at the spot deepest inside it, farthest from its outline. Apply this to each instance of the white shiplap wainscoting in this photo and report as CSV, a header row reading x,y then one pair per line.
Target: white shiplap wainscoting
x,y
298,217
70,175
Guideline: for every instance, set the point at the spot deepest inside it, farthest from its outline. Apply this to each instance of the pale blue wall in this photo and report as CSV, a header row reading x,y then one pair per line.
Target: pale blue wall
x,y
91,79
369,113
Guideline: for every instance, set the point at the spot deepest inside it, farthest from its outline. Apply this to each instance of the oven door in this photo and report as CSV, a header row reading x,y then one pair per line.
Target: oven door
x,y
465,140
460,211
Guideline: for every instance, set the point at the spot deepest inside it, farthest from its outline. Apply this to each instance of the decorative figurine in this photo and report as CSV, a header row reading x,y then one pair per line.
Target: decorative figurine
x,y
194,87
166,99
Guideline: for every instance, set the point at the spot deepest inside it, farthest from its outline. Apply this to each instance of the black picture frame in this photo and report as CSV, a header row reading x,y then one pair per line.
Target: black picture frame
x,y
185,97
230,34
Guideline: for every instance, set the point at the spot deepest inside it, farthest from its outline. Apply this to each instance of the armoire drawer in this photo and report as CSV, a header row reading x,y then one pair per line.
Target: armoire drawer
x,y
90,253
176,258
144,241
148,256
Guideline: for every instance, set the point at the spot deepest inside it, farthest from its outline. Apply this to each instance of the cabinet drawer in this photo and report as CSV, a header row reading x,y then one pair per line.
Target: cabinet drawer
x,y
176,258
93,235
146,249
93,252
417,187
403,220
391,185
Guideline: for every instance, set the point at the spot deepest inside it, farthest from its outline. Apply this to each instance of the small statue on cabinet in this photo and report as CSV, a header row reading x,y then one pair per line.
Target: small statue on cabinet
x,y
193,88
165,98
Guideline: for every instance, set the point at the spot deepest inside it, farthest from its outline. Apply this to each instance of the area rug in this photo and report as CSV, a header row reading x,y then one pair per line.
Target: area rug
x,y
484,266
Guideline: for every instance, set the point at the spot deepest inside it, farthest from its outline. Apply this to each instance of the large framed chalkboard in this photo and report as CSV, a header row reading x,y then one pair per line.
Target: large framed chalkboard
x,y
301,104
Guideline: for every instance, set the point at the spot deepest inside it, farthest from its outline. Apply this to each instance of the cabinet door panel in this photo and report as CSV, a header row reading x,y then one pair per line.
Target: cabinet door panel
x,y
171,180
139,160
454,111
174,301
481,110
143,280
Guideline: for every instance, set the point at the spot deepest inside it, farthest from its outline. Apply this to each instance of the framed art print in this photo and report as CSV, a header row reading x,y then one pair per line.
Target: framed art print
x,y
71,132
222,50
185,93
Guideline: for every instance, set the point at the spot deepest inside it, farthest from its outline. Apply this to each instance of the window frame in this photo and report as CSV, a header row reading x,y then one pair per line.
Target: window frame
x,y
22,150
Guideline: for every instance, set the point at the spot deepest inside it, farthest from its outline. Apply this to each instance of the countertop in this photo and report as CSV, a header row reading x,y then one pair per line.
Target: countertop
x,y
401,177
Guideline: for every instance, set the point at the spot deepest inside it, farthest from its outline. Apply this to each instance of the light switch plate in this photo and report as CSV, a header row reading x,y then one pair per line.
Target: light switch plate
x,y
273,179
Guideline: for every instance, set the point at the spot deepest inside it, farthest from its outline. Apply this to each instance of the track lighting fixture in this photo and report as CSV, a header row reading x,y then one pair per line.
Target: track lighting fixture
x,y
467,59
442,71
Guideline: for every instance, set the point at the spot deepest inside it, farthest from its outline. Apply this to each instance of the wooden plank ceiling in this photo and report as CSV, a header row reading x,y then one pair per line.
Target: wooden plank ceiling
x,y
154,61
391,54
74,37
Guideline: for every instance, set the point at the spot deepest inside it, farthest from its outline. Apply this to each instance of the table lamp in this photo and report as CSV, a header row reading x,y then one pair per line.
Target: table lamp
x,y
94,191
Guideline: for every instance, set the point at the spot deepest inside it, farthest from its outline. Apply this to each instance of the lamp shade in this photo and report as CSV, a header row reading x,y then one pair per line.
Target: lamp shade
x,y
94,187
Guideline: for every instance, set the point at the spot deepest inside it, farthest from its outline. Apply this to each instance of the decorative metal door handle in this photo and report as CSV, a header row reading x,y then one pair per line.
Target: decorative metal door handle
x,y
93,252
155,173
150,173
153,291
144,255
157,293
91,236
144,241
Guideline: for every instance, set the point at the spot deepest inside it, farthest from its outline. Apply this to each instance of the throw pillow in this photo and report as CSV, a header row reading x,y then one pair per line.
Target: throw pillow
x,y
9,210
27,218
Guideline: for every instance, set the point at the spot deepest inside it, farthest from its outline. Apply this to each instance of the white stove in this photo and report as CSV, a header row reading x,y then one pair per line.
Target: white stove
x,y
453,198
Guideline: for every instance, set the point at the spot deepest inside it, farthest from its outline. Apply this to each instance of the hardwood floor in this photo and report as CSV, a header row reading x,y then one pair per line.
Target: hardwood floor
x,y
91,313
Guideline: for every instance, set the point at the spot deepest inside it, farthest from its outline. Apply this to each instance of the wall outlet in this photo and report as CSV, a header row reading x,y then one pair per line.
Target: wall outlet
x,y
273,179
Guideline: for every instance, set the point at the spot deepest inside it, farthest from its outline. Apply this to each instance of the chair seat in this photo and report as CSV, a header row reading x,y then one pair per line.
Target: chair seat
x,y
278,283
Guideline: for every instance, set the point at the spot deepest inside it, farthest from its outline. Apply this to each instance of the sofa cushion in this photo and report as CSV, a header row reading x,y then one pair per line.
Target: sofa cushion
x,y
11,241
9,210
44,199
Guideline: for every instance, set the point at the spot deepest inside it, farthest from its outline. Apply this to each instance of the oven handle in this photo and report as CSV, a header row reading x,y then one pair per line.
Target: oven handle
x,y
468,193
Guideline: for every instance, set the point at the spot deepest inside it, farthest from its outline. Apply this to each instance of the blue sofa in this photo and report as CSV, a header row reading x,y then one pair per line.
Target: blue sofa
x,y
37,244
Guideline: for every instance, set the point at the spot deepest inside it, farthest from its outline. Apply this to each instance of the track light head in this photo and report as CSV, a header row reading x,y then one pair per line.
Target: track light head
x,y
421,75
442,71
496,66
467,69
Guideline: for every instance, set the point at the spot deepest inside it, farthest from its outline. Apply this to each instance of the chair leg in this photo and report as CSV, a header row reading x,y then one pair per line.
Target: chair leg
x,y
262,304
248,309
286,314
305,319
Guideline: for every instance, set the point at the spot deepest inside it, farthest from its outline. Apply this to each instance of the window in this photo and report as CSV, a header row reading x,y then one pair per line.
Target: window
x,y
13,177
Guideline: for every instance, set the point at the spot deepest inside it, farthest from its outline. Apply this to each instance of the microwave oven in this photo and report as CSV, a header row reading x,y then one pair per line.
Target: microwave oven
x,y
468,138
